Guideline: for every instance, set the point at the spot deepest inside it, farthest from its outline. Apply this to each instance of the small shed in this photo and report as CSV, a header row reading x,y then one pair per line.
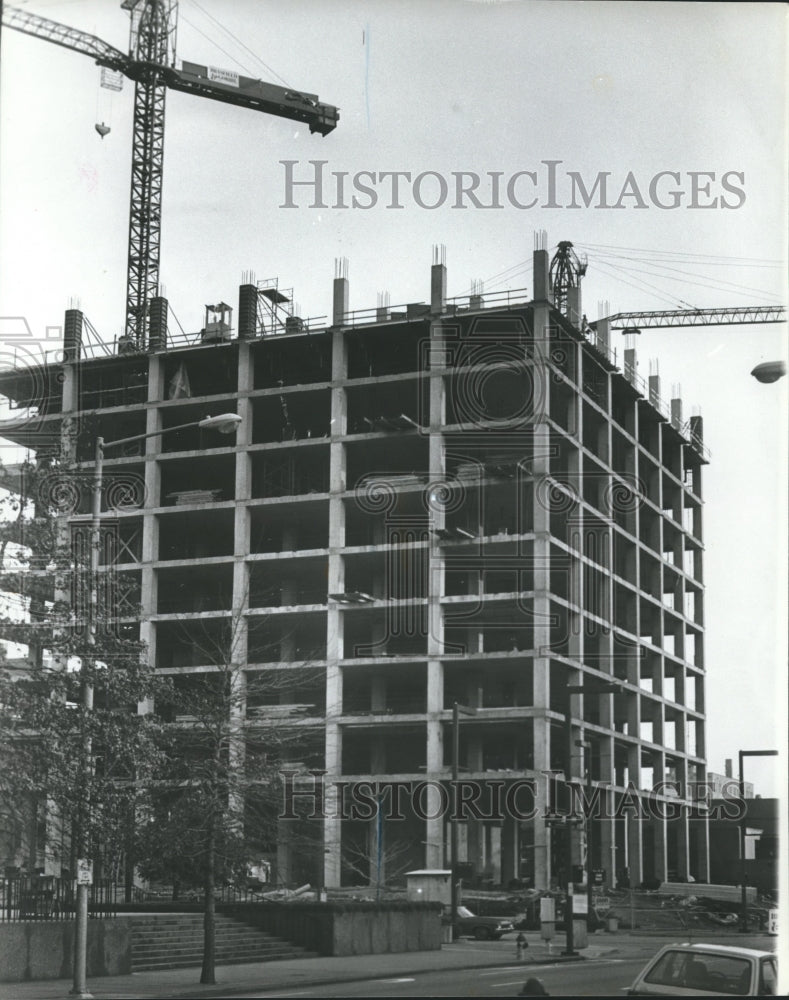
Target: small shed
x,y
430,885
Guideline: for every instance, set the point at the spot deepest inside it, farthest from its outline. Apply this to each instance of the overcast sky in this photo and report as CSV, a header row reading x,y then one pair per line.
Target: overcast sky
x,y
447,86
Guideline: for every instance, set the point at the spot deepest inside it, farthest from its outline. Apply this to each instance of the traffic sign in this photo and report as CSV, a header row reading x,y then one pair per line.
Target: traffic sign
x,y
84,871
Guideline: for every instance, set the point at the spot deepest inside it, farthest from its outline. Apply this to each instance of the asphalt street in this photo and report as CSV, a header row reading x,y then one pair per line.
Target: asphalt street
x,y
604,977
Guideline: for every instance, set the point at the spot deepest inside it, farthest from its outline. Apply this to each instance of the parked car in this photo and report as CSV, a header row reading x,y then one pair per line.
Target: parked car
x,y
481,927
707,970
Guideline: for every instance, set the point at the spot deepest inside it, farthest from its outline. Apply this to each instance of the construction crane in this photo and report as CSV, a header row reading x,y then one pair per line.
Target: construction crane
x,y
566,271
151,64
634,322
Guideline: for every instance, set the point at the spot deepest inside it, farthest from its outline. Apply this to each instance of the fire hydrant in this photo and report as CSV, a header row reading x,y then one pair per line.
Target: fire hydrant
x,y
520,944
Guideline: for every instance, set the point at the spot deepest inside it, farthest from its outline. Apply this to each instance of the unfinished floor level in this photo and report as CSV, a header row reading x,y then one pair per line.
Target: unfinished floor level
x,y
457,501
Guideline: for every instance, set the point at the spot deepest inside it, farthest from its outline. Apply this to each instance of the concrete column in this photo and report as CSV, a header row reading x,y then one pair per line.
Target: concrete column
x,y
332,826
493,867
654,390
438,287
340,300
605,834
603,328
634,848
243,492
436,764
72,335
437,761
542,638
150,522
476,853
541,276
680,828
658,828
542,764
510,863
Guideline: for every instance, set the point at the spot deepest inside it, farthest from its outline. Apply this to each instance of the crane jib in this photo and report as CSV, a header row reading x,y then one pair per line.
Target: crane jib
x,y
233,88
152,31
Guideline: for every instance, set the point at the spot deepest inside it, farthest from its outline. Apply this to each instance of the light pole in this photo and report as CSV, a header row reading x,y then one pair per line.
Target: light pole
x,y
743,832
457,710
595,688
225,423
587,747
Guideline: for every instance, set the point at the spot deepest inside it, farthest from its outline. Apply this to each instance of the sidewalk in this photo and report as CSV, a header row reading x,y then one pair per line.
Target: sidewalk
x,y
292,973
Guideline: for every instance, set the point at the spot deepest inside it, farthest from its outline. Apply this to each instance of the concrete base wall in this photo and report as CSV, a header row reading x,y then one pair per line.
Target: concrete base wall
x,y
348,930
44,949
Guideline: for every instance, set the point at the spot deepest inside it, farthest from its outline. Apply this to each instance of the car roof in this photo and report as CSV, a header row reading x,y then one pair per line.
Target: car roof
x,y
723,949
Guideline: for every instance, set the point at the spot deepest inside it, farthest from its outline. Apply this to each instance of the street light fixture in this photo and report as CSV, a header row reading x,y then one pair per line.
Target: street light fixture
x,y
587,746
457,711
224,423
769,371
594,688
743,834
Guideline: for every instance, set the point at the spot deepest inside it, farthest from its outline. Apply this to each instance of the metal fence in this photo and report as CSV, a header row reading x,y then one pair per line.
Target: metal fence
x,y
45,897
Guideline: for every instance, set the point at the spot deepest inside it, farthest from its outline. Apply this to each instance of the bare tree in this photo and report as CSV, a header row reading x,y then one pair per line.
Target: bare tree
x,y
78,770
229,730
378,861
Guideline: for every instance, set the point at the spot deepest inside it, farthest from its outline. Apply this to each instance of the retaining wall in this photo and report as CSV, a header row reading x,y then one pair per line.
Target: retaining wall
x,y
44,949
349,928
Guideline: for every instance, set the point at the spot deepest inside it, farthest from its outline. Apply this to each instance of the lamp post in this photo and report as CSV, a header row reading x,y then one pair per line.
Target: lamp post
x,y
457,710
225,423
592,688
743,832
587,746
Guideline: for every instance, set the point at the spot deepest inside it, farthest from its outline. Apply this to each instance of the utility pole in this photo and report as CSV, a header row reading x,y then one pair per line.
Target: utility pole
x,y
593,688
457,709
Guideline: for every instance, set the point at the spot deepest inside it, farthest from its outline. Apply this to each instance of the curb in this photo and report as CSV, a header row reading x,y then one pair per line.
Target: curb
x,y
217,991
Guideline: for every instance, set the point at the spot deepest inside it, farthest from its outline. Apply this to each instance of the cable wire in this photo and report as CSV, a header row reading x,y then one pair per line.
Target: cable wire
x,y
238,41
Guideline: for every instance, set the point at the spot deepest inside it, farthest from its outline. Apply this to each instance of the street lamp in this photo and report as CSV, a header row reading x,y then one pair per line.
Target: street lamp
x,y
457,711
596,688
224,423
743,834
587,747
769,371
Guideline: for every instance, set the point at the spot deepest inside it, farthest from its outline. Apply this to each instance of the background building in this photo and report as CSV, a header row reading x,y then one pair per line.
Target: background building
x,y
449,501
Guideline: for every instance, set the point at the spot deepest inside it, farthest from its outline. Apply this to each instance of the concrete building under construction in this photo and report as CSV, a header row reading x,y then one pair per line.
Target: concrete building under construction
x,y
455,502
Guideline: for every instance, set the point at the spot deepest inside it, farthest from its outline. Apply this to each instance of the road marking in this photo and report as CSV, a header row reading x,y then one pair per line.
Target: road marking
x,y
554,965
402,980
304,993
504,968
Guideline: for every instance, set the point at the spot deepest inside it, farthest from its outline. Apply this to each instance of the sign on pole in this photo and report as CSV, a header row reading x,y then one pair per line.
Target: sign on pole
x,y
84,871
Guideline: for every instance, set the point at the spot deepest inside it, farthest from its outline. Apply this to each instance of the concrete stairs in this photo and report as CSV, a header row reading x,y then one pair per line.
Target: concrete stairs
x,y
175,941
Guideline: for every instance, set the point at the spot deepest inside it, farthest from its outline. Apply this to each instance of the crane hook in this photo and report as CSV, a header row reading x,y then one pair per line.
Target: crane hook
x,y
102,129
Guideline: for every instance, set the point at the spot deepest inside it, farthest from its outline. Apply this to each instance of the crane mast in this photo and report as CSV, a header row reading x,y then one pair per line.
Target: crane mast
x,y
151,64
153,26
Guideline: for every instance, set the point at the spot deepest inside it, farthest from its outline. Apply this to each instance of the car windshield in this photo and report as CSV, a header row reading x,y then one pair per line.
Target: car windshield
x,y
704,971
463,911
